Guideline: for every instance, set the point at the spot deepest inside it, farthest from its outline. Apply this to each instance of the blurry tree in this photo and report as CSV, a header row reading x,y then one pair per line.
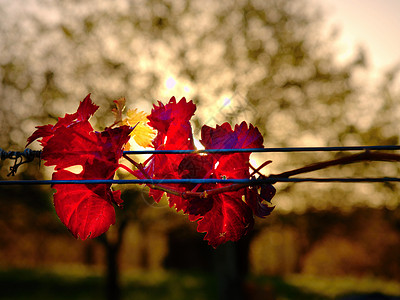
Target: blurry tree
x,y
268,53
263,61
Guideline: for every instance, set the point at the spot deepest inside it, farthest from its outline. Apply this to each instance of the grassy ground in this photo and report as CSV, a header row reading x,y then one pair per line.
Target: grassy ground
x,y
80,284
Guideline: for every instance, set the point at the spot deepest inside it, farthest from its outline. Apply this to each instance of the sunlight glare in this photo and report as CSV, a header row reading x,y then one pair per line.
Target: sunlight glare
x,y
227,101
254,163
76,169
197,144
170,83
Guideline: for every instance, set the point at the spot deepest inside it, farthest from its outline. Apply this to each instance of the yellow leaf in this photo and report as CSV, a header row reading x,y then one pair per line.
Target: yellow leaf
x,y
143,134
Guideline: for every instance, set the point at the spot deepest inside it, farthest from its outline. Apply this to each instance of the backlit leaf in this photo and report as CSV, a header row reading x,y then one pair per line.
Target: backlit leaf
x,y
86,209
223,217
143,134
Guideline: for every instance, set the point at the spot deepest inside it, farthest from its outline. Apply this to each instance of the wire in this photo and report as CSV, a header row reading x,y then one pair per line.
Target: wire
x,y
30,155
286,149
198,181
17,156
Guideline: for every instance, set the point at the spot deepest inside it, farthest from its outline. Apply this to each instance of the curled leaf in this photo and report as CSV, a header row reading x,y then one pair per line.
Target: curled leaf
x,y
118,109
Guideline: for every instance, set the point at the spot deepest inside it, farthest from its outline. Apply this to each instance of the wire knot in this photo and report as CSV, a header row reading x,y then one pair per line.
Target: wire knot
x,y
19,158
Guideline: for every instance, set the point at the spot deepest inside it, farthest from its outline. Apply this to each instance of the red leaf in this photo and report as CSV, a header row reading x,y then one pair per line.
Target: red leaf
x,y
255,200
223,217
164,116
172,124
173,132
85,110
44,132
229,217
223,137
228,220
86,209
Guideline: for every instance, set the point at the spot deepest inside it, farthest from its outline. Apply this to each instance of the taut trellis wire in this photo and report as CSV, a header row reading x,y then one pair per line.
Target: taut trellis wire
x,y
29,155
283,149
199,181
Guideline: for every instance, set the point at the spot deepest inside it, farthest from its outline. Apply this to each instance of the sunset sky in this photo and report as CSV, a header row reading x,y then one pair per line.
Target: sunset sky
x,y
372,24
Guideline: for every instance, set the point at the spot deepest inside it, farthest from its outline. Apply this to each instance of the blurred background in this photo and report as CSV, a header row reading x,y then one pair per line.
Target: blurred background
x,y
305,72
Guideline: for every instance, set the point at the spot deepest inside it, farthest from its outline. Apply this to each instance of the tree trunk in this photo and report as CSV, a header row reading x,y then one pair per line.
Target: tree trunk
x,y
232,264
112,248
230,280
113,290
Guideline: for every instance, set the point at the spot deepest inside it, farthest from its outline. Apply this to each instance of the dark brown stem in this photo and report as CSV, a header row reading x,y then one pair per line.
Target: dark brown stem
x,y
138,166
364,156
153,186
257,171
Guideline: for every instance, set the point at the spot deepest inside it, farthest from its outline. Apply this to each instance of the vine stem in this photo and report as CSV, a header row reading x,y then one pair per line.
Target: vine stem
x,y
140,167
363,156
360,157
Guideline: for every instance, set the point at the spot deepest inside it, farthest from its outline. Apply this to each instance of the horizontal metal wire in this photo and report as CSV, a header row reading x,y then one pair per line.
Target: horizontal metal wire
x,y
14,155
31,154
283,149
197,181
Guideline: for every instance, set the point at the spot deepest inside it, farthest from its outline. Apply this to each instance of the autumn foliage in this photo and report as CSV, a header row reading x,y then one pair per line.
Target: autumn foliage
x,y
87,209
